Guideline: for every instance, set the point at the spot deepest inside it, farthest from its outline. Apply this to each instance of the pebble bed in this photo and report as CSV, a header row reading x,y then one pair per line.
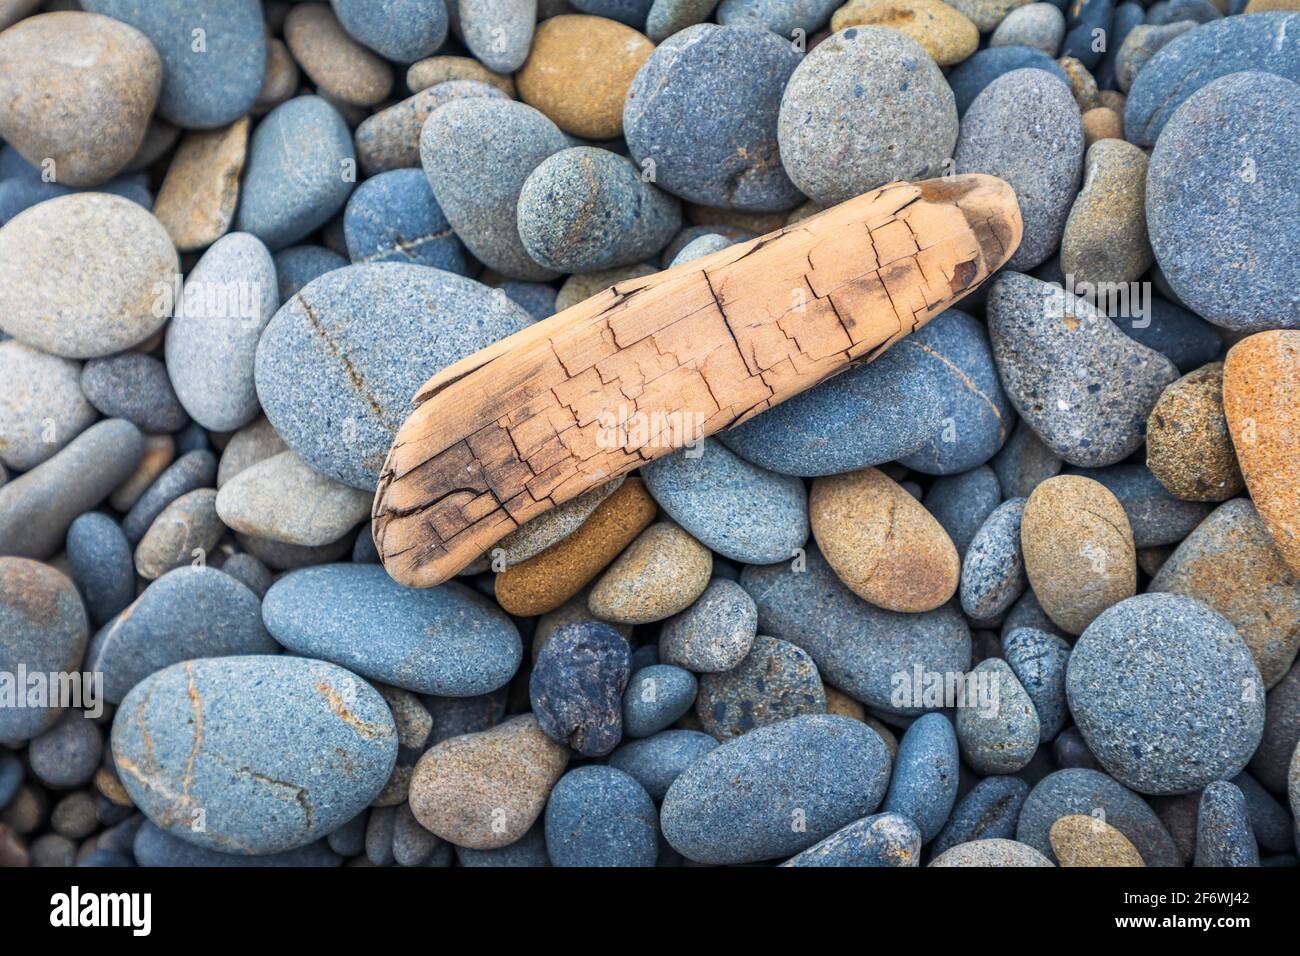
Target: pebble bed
x,y
1024,591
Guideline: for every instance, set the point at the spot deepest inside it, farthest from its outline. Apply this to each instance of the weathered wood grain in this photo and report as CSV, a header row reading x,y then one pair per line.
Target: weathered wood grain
x,y
654,363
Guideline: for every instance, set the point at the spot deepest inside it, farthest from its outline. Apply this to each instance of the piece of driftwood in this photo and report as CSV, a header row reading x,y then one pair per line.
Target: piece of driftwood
x,y
654,363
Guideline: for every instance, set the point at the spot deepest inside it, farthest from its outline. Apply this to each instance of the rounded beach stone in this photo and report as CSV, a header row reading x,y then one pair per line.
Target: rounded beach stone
x,y
343,357
661,573
876,656
498,32
576,687
962,503
80,275
701,117
400,30
941,30
393,217
1105,238
579,70
1025,128
988,811
484,790
1223,833
1230,563
477,154
1189,449
248,571
283,499
301,169
43,630
1222,183
76,93
1080,840
281,80
923,787
585,209
1038,658
655,762
740,511
775,681
390,138
883,839
991,852
736,804
1156,517
101,565
42,407
197,200
537,534
1078,549
187,530
882,542
195,469
313,745
1137,48
1261,399
970,78
37,507
445,68
341,68
601,816
545,581
782,17
1084,386
715,633
997,725
1100,123
447,640
993,568
1199,55
1126,685
135,387
187,613
867,106
68,754
298,265
213,54
159,451
1038,25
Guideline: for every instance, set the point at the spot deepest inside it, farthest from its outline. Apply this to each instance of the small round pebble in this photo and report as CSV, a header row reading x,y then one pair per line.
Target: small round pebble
x,y
775,681
1189,449
991,852
661,573
715,633
655,698
656,761
134,387
600,816
997,725
1223,832
923,787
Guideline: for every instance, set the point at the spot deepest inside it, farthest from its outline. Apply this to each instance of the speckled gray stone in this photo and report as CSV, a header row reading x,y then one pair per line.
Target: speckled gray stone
x,y
101,565
135,387
998,734
1127,684
715,633
42,407
195,469
657,761
1142,43
782,17
498,32
866,107
988,811
390,139
186,531
1038,25
600,816
401,30
1156,517
775,681
1024,462
656,696
1281,732
993,569
970,78
923,787
961,503
1038,658
284,499
884,839
1025,127
68,754
1223,833
667,17
991,852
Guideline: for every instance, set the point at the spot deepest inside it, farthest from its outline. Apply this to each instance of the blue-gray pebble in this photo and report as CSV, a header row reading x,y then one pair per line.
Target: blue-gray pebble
x,y
400,30
970,78
102,565
658,760
600,816
988,812
656,696
993,569
883,839
1223,833
1038,659
961,503
393,217
923,787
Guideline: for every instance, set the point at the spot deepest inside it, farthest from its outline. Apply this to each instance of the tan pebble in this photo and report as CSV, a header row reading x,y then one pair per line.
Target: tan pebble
x,y
1078,548
661,573
942,31
1261,398
282,76
196,202
535,536
485,790
579,70
159,452
838,702
1264,6
440,69
256,441
1105,237
1084,840
1101,122
1082,83
1189,448
882,542
341,68
107,783
759,222
1113,100
544,582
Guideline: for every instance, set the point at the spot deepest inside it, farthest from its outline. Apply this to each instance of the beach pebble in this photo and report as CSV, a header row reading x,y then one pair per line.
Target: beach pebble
x,y
101,565
1223,832
1139,45
1038,659
390,138
484,790
1189,449
987,14
715,633
195,469
1078,550
943,32
997,725
993,568
213,54
884,839
1126,686
882,542
446,640
578,72
477,154
299,265
987,812
962,503
991,852
655,698
393,217
736,804
970,78
186,531
866,107
1085,387
1281,732
276,751
1261,399
1087,20
1156,517
341,68
301,170
1025,128
656,761
775,681
1105,238
1038,25
80,275
576,687
42,407
498,32
528,851
1185,339
400,30
67,755
1230,563
1215,205
446,68
76,93
159,453
876,656
134,387
585,209
197,200
701,117
187,613
537,534
283,499
370,335
600,816
37,508
661,573
1082,840
248,571
923,787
